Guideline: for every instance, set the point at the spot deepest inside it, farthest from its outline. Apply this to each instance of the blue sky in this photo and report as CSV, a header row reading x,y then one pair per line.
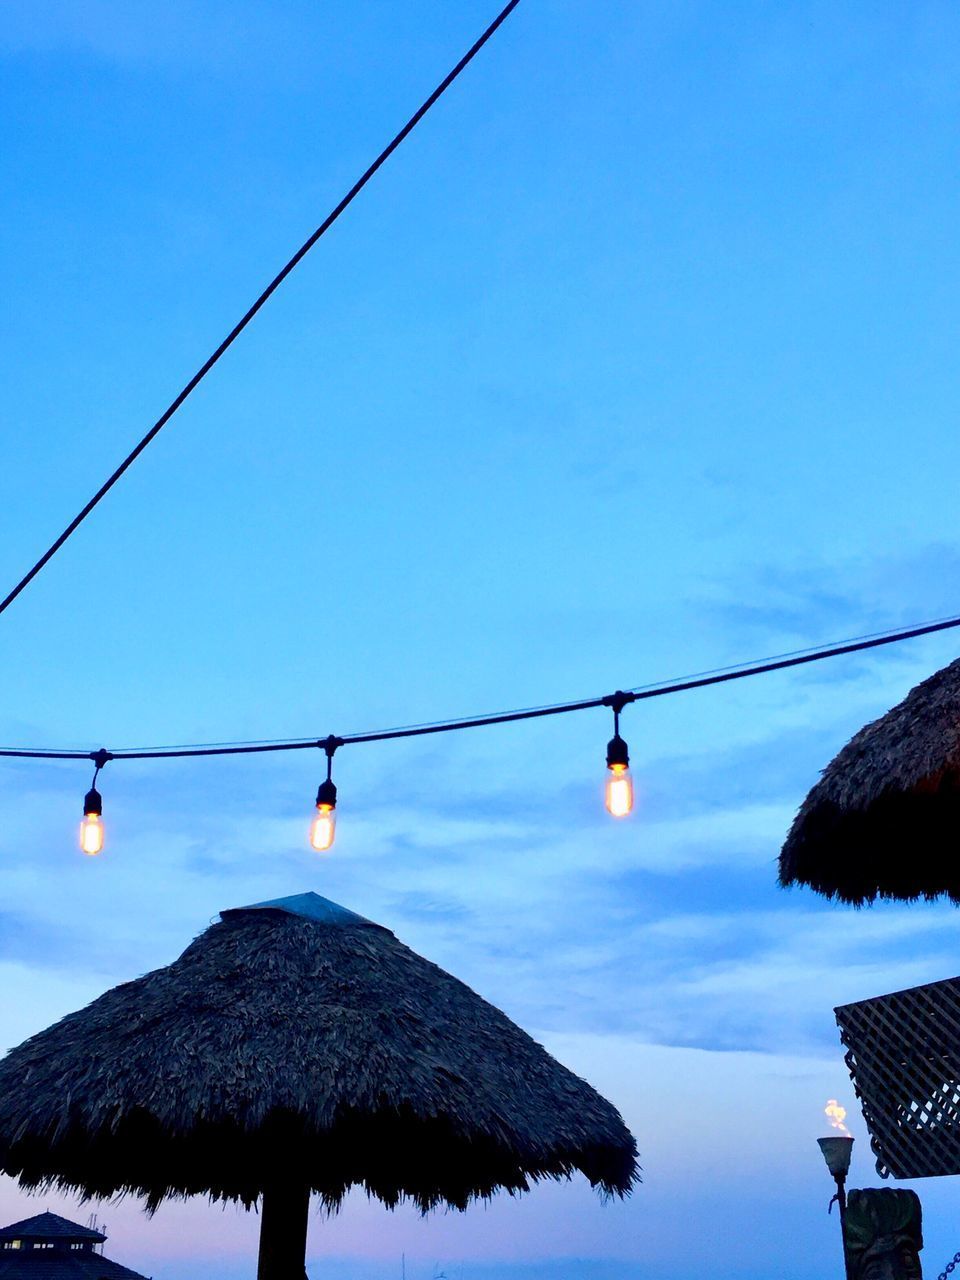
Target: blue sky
x,y
637,359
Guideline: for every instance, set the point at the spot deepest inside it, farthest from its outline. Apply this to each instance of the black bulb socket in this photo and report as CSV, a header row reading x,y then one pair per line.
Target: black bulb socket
x,y
92,803
327,794
617,755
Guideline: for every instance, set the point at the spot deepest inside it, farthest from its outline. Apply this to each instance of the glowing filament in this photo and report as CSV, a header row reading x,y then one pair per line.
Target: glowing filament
x,y
323,828
619,798
91,833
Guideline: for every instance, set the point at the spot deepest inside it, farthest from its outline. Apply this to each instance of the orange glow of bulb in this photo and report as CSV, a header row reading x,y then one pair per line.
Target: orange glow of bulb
x,y
619,798
91,833
323,828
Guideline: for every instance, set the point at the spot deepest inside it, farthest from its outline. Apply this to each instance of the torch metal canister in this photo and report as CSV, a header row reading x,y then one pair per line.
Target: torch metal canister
x,y
837,1150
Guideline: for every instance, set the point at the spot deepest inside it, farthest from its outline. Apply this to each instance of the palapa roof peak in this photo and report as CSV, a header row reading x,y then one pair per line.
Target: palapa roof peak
x,y
884,819
50,1226
279,1047
309,905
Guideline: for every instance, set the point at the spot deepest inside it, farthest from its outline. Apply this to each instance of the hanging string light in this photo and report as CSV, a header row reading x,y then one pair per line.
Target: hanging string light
x,y
619,788
91,828
324,825
619,795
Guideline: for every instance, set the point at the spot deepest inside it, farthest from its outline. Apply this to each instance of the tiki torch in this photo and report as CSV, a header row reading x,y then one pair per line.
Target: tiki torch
x,y
837,1150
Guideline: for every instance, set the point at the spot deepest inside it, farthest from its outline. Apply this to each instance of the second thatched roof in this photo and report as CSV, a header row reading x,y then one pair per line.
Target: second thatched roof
x,y
296,1040
884,819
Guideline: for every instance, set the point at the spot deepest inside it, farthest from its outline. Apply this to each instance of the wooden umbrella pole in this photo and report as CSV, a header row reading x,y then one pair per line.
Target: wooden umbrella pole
x,y
284,1209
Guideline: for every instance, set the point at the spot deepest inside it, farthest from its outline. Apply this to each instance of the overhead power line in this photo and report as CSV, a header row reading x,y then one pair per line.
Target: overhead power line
x,y
274,284
617,701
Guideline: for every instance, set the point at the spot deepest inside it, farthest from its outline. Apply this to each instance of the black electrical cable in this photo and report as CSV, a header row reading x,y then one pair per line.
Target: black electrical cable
x,y
271,287
617,700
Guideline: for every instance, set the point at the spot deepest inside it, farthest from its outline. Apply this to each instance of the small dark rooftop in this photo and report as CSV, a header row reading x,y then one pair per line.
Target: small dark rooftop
x,y
50,1226
48,1247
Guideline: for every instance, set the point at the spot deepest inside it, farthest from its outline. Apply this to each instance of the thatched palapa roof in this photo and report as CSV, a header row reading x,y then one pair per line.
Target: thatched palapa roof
x,y
297,1040
884,819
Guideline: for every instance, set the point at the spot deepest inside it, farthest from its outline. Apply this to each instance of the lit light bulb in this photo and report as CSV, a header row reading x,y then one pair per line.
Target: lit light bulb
x,y
91,833
91,828
619,797
324,826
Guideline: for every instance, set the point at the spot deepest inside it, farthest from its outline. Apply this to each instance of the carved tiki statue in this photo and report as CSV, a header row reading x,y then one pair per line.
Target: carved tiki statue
x,y
882,1236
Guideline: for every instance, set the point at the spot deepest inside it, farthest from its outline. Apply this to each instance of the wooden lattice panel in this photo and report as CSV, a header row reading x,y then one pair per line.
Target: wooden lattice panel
x,y
903,1053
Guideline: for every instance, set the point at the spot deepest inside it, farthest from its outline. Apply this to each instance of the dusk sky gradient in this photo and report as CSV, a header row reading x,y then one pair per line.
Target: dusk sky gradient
x,y
637,359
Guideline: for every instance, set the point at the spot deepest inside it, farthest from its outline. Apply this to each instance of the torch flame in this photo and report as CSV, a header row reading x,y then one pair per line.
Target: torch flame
x,y
836,1115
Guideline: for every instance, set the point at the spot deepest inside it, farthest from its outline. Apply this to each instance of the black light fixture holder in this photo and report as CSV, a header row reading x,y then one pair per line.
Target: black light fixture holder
x,y
327,791
93,801
618,757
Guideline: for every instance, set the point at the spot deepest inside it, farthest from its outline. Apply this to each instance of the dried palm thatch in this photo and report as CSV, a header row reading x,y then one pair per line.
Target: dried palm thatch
x,y
884,819
297,1044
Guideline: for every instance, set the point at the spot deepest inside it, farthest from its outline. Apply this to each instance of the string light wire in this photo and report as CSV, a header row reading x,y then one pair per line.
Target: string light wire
x,y
274,284
620,698
617,700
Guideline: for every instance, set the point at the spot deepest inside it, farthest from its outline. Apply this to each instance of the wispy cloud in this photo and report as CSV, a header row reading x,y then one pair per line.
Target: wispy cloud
x,y
218,37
